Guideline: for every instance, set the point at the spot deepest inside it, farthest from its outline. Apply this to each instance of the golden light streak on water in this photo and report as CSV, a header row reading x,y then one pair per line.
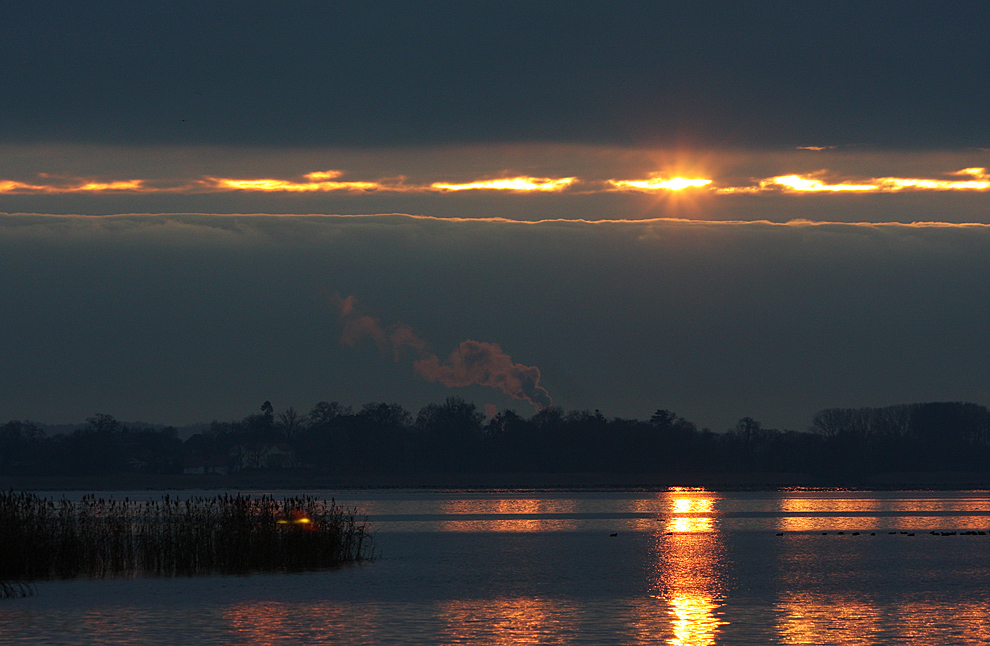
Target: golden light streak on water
x,y
690,525
800,523
693,619
698,510
688,565
807,619
256,623
267,623
108,627
505,621
702,505
496,515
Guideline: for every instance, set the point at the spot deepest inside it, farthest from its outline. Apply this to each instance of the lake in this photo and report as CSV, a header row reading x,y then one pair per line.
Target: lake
x,y
683,567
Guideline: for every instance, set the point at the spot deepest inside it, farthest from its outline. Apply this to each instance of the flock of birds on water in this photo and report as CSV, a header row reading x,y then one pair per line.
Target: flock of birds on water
x,y
841,533
933,533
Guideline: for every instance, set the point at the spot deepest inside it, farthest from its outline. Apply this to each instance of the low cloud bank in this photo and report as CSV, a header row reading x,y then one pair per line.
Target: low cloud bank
x,y
181,317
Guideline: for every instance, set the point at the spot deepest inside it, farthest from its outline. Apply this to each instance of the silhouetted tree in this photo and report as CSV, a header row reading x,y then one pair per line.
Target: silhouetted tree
x,y
93,449
453,432
151,450
326,412
953,434
510,442
260,427
290,423
453,435
20,447
550,436
379,436
103,423
677,441
663,419
322,438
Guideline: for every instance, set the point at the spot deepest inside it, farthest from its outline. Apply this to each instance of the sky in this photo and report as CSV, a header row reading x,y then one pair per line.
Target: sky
x,y
724,210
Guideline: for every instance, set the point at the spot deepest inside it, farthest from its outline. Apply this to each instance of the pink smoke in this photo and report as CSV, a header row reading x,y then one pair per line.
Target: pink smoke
x,y
402,336
360,327
472,363
485,364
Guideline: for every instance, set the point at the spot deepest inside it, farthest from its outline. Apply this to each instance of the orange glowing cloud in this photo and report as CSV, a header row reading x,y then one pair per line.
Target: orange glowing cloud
x,y
799,183
11,187
332,181
979,180
543,184
129,185
658,184
318,181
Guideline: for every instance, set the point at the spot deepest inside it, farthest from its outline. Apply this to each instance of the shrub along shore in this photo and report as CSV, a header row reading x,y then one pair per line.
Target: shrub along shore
x,y
41,538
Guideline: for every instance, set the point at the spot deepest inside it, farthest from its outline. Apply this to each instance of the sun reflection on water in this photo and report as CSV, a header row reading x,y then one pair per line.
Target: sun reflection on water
x,y
694,620
806,619
506,515
688,558
517,620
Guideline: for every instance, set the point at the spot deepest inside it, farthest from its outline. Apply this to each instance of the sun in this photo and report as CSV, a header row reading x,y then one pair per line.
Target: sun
x,y
675,184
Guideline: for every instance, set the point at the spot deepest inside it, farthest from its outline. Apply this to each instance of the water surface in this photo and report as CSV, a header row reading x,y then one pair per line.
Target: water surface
x,y
525,567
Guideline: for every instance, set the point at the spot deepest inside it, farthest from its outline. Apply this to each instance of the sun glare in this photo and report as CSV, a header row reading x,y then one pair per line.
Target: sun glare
x,y
658,183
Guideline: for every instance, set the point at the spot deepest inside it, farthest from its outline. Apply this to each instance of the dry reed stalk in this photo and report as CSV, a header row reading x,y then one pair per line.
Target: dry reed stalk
x,y
226,534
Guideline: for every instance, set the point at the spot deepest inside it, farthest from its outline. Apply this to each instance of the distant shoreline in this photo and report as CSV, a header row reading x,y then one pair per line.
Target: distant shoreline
x,y
442,481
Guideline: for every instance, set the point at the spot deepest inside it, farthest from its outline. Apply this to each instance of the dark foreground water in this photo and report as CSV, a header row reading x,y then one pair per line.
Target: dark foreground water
x,y
510,567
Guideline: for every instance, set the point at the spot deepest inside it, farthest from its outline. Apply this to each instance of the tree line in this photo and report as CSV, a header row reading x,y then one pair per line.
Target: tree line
x,y
454,436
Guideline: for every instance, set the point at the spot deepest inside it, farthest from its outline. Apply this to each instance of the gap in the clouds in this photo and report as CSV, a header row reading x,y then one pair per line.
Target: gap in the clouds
x,y
527,182
27,219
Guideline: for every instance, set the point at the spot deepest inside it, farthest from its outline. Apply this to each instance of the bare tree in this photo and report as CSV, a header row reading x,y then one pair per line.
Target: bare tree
x,y
290,423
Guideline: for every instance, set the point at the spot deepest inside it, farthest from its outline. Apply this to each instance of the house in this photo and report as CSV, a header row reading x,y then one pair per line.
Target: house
x,y
262,455
196,465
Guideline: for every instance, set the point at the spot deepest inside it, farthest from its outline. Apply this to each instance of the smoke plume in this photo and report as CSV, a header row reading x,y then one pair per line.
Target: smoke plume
x,y
471,363
476,362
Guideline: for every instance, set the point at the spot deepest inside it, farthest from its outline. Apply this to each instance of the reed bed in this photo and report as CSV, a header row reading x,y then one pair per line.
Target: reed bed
x,y
13,590
227,534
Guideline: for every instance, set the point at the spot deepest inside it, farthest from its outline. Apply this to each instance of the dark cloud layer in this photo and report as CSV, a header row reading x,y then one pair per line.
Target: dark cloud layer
x,y
376,73
183,318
